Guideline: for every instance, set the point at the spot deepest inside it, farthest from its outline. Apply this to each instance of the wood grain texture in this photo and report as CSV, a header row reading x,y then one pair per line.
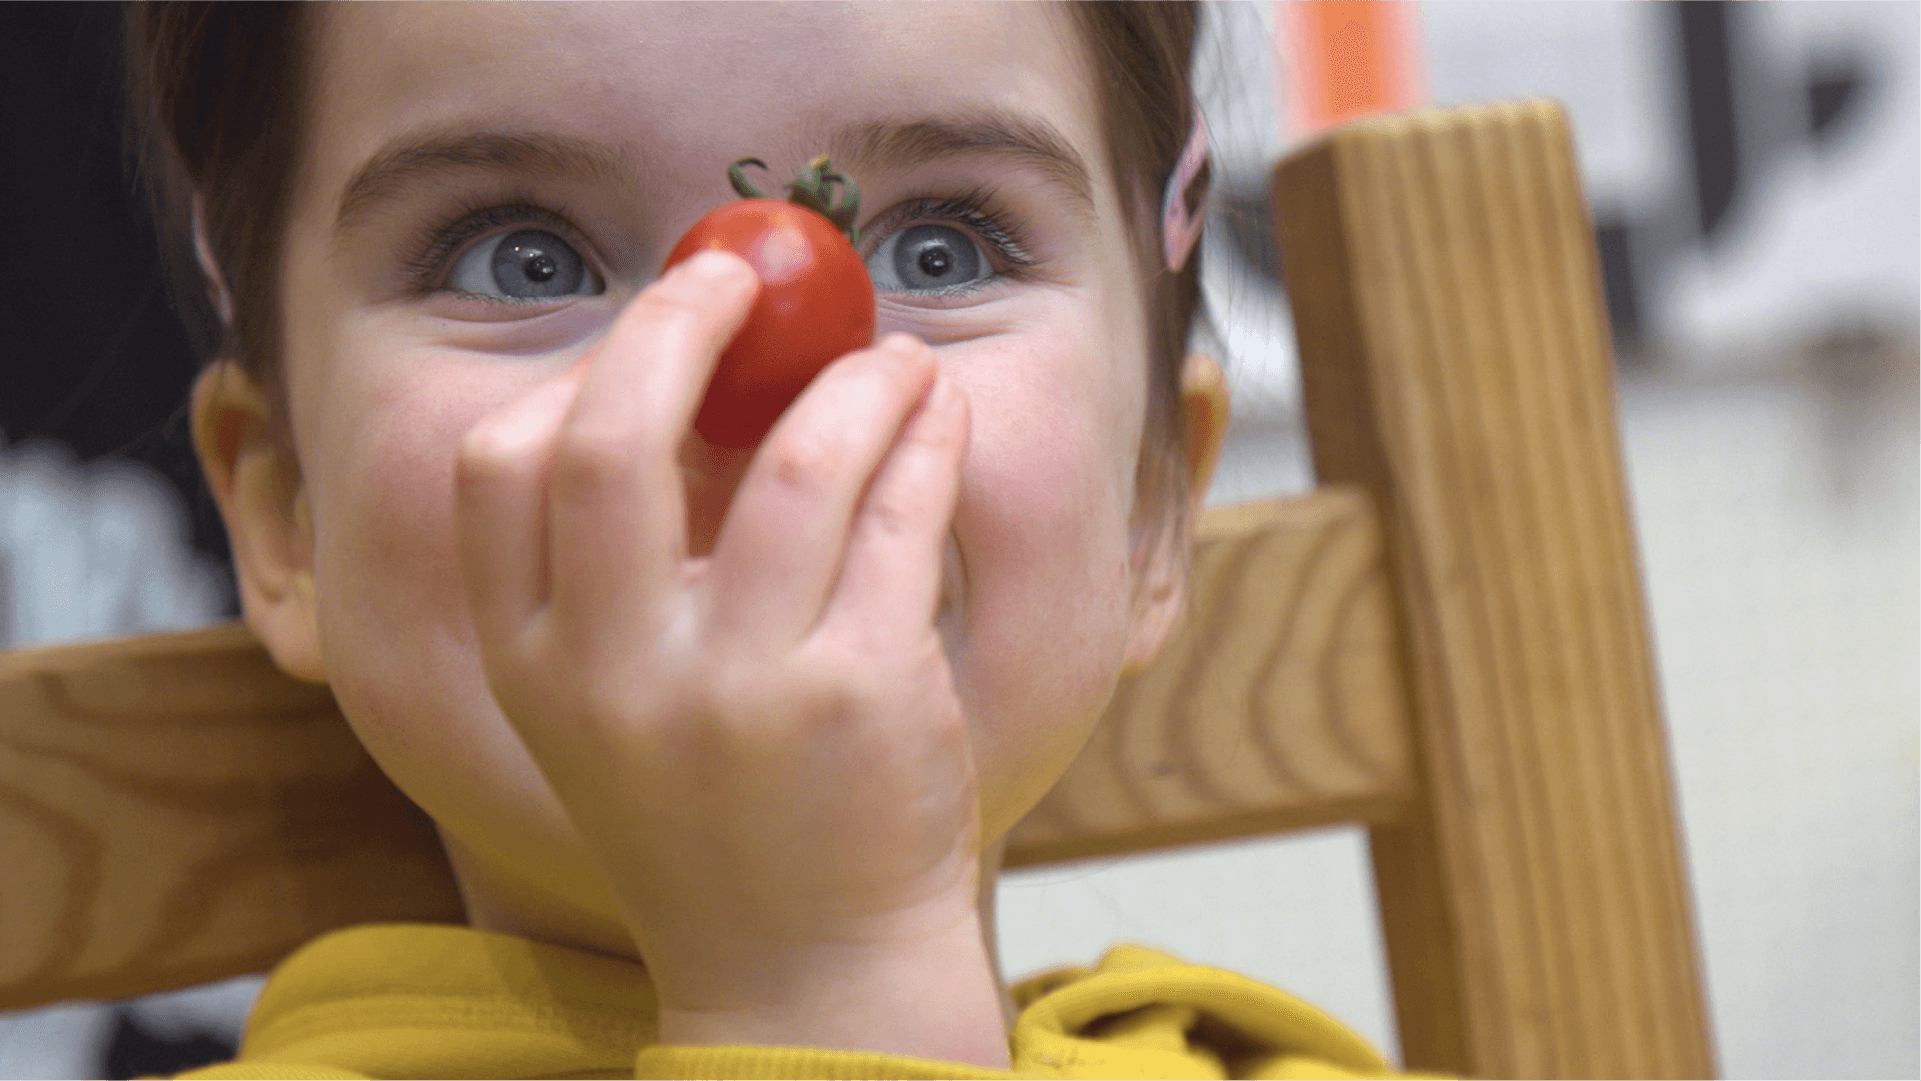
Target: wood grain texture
x,y
173,809
1456,365
1277,705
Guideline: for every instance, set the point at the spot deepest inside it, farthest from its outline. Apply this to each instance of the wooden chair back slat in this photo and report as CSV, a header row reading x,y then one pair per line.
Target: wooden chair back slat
x,y
176,810
1276,706
1455,365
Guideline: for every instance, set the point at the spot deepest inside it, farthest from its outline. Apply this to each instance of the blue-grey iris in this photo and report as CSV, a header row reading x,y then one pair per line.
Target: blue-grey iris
x,y
933,257
532,263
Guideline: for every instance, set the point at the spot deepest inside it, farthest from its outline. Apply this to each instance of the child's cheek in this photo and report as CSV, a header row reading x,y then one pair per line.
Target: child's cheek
x,y
378,415
1041,529
395,624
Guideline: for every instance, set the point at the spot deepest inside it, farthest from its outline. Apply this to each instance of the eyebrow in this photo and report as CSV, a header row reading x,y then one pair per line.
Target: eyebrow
x,y
416,156
1023,141
876,145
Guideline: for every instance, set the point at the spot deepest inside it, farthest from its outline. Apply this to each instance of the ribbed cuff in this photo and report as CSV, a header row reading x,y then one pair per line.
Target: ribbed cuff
x,y
662,1061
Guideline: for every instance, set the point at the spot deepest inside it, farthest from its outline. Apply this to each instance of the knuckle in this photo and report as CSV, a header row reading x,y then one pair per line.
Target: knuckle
x,y
894,371
607,700
908,349
845,682
804,460
673,297
592,460
687,299
516,661
825,708
737,684
671,314
891,515
483,458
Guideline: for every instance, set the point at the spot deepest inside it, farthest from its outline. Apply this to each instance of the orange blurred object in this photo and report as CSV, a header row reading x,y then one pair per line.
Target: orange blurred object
x,y
1342,59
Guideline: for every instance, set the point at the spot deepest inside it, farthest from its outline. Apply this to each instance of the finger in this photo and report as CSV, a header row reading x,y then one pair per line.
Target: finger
x,y
499,484
785,535
616,508
890,583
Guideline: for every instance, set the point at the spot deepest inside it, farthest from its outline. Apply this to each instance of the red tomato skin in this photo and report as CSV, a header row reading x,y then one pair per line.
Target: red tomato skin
x,y
816,304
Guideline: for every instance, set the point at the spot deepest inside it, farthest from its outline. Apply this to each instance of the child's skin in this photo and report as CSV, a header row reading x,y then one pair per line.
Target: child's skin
x,y
761,719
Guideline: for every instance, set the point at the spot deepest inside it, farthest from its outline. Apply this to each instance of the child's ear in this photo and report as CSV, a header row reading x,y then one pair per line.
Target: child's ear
x,y
1162,596
256,481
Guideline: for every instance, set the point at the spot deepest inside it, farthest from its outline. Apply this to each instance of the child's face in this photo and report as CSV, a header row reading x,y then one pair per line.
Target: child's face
x,y
617,124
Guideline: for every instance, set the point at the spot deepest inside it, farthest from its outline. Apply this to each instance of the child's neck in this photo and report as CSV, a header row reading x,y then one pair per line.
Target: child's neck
x,y
507,905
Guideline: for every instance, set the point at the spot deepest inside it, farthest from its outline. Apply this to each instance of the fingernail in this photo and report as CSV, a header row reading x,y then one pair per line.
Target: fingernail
x,y
945,395
710,265
899,344
940,394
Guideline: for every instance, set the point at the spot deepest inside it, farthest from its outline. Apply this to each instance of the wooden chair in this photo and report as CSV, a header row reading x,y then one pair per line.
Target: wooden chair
x,y
1446,642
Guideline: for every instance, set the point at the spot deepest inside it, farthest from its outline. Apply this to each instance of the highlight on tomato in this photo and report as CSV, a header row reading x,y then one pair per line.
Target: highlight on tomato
x,y
816,301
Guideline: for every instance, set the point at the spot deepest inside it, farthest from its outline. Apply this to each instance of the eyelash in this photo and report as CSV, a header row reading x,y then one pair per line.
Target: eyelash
x,y
439,243
977,209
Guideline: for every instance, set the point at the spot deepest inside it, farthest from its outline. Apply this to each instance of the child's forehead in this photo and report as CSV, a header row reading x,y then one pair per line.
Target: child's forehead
x,y
647,93
675,68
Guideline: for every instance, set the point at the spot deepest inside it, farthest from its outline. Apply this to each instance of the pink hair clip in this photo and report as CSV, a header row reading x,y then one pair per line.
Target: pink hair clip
x,y
203,253
1181,227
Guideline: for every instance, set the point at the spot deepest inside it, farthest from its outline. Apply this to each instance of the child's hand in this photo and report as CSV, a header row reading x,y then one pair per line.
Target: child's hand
x,y
763,746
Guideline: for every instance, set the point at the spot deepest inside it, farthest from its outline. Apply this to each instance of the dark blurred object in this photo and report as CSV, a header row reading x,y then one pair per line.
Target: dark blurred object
x,y
1831,87
1248,219
1743,116
94,359
1738,126
1714,46
1618,281
1706,44
135,1051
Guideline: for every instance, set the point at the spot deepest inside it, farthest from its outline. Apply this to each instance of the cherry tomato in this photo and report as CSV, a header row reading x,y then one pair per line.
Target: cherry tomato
x,y
816,303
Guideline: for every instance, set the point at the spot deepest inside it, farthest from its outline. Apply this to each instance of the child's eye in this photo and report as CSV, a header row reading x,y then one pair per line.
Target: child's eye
x,y
531,264
927,258
934,258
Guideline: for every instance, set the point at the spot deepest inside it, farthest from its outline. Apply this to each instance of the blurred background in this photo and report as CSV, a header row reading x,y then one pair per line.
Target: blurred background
x,y
1752,174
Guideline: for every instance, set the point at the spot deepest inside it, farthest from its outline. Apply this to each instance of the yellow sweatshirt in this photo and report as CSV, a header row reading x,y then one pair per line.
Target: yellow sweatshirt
x,y
421,1000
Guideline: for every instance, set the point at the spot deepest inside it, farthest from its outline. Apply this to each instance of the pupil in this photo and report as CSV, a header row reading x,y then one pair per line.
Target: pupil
x,y
534,263
935,261
934,257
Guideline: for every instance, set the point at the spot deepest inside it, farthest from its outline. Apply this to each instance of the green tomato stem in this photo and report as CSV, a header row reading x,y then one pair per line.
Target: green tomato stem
x,y
738,179
819,188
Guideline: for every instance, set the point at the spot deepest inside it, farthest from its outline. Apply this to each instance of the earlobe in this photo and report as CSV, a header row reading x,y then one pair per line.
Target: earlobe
x,y
1162,599
256,482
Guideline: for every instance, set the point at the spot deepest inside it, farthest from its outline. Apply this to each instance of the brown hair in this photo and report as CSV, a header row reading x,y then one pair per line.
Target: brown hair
x,y
1142,56
216,92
